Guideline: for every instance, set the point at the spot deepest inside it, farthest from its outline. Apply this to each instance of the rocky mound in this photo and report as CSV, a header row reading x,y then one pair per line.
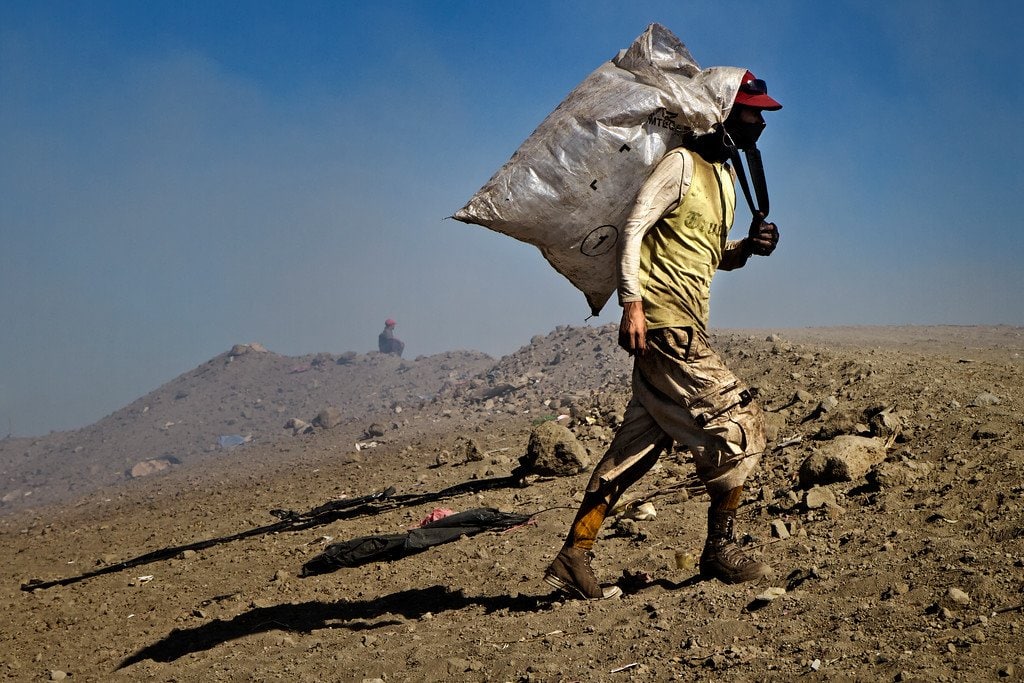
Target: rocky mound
x,y
243,396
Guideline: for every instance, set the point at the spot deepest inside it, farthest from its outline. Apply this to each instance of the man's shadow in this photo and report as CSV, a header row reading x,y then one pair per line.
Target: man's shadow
x,y
309,616
356,615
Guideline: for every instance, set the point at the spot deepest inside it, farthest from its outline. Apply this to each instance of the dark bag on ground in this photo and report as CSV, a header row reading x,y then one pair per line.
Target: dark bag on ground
x,y
387,547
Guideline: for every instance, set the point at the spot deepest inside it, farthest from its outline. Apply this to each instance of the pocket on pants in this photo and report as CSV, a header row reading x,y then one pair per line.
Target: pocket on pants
x,y
719,400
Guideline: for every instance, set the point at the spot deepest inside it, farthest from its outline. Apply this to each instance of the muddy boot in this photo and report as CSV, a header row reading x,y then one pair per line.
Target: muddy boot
x,y
722,558
571,573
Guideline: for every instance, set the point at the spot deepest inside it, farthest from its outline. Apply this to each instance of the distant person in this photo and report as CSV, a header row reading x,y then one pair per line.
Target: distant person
x,y
387,342
675,239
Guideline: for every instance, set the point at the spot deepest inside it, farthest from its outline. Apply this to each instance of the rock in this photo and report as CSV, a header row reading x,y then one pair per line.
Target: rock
x,y
779,529
346,358
298,426
243,349
837,424
985,399
328,418
374,431
465,450
845,458
627,527
819,497
884,424
774,424
554,451
148,467
802,396
828,404
888,475
12,496
58,675
457,666
990,430
238,350
770,594
321,360
492,392
958,597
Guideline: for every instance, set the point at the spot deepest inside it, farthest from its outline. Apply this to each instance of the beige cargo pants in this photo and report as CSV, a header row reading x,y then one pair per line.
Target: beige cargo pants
x,y
683,393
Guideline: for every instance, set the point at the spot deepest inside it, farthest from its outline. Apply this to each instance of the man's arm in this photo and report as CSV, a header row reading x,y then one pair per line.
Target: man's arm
x,y
661,192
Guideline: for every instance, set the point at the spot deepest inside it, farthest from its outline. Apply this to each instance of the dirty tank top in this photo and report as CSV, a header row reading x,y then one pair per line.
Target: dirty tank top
x,y
680,254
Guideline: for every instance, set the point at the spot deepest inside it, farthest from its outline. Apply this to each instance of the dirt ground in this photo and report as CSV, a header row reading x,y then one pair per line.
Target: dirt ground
x,y
912,569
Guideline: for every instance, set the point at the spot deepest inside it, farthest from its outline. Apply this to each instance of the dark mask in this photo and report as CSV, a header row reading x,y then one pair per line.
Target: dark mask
x,y
744,135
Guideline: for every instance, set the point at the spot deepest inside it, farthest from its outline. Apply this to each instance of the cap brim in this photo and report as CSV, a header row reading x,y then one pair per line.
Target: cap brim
x,y
758,101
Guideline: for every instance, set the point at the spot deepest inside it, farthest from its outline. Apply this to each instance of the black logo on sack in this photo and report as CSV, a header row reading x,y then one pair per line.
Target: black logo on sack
x,y
662,118
600,241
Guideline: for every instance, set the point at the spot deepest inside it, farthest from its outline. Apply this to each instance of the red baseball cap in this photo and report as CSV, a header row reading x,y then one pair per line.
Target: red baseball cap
x,y
389,323
754,93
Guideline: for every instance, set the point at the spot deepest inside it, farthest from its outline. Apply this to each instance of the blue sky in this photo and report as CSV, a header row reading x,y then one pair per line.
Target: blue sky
x,y
178,177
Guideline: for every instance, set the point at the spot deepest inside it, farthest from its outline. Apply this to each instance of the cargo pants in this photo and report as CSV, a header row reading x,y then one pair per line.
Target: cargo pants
x,y
684,393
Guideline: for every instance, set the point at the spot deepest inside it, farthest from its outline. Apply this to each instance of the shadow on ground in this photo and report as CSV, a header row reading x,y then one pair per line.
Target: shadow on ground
x,y
306,617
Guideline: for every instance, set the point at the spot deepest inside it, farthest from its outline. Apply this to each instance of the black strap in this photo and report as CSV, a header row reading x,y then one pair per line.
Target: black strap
x,y
756,178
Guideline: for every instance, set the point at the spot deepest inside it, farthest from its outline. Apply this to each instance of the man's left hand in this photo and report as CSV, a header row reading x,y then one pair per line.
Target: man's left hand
x,y
763,237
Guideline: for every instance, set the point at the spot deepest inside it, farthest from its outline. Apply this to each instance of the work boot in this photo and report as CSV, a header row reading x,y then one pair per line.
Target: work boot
x,y
571,573
722,558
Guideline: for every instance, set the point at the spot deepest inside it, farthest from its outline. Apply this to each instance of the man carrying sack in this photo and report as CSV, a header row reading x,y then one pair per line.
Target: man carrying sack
x,y
675,239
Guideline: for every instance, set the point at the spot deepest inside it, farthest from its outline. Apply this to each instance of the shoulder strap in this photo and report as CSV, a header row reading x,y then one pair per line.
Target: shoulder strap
x,y
687,177
757,178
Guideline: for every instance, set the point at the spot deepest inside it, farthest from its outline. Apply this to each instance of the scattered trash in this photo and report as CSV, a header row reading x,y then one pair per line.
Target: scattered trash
x,y
624,668
363,445
685,560
435,514
232,440
643,512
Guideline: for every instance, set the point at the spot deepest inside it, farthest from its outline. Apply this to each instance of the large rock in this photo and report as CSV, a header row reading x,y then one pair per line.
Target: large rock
x,y
845,458
242,349
148,467
328,418
554,451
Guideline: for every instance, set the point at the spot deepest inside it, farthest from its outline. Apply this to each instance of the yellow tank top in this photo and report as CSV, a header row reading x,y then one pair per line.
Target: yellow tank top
x,y
679,255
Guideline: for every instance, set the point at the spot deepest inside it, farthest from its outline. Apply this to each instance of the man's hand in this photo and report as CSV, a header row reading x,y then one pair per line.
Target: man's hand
x,y
633,328
763,237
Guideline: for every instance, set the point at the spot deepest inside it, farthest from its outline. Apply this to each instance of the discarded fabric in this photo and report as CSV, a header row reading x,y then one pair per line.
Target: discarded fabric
x,y
387,547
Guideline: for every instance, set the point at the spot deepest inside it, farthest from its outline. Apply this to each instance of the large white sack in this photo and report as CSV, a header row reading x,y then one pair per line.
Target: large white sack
x,y
569,187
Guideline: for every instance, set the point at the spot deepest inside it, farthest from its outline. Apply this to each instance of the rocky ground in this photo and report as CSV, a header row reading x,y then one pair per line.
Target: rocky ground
x,y
890,507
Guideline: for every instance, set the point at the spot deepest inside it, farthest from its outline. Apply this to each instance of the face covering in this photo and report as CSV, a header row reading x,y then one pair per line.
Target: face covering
x,y
744,135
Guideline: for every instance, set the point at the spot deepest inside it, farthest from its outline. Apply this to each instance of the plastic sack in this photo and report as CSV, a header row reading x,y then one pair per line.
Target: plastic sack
x,y
570,186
